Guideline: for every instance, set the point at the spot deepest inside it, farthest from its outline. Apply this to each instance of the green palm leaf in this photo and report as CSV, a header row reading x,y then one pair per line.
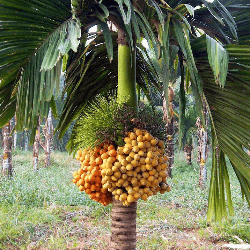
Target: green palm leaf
x,y
218,59
82,85
29,31
229,113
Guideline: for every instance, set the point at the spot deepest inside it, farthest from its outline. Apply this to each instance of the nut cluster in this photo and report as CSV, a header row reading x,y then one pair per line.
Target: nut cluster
x,y
88,178
136,170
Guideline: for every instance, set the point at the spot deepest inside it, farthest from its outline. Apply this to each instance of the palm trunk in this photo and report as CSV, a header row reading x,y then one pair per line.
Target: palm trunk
x,y
48,139
123,229
14,139
14,136
170,145
170,129
21,141
188,150
202,148
26,142
189,157
203,157
7,145
36,149
126,92
203,169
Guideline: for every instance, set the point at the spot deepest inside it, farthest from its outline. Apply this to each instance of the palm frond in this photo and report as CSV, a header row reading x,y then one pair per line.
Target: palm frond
x,y
182,36
239,11
147,76
89,72
227,18
219,183
82,85
230,117
218,59
28,31
182,105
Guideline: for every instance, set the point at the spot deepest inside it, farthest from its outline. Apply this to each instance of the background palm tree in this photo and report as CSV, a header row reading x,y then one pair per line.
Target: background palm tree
x,y
187,132
14,135
188,148
187,120
36,148
168,117
37,38
7,167
202,133
26,140
48,134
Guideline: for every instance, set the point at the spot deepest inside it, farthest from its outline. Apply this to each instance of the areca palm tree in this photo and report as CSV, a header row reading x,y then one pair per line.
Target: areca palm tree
x,y
38,37
48,134
187,132
7,168
36,148
170,128
14,135
202,134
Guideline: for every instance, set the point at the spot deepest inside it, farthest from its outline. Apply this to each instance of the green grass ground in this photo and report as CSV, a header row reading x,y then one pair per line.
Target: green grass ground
x,y
44,210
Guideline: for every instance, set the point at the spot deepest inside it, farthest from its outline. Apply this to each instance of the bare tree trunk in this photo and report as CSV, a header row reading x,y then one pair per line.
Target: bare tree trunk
x,y
36,148
202,147
123,228
48,139
14,135
7,145
26,142
170,128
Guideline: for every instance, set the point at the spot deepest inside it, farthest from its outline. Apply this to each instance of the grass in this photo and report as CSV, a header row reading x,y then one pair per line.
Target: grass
x,y
44,210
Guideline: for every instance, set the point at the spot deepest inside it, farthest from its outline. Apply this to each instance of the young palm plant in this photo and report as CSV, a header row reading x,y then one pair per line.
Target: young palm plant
x,y
38,37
